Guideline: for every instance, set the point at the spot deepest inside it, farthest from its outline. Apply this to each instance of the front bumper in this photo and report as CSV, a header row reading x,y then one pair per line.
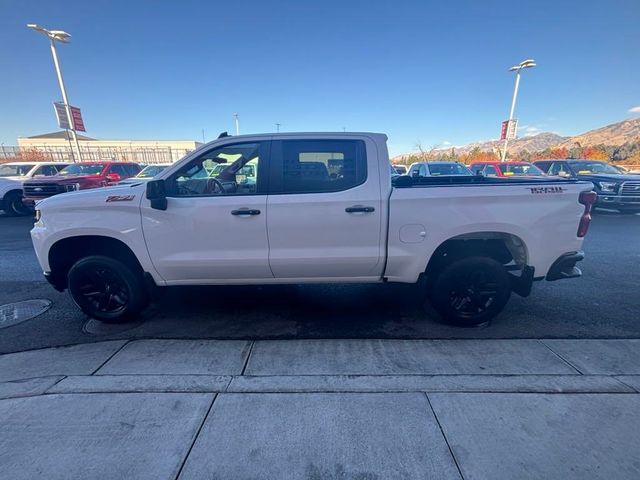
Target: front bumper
x,y
54,281
614,201
565,267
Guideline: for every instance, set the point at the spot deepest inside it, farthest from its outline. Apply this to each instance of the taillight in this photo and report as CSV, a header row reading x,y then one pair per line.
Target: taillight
x,y
588,199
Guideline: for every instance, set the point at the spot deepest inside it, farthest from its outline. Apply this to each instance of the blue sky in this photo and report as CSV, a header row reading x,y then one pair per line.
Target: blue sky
x,y
420,71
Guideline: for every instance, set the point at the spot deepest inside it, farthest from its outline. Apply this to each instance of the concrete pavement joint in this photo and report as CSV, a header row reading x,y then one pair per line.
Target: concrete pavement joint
x,y
111,356
453,456
560,357
246,362
634,388
195,437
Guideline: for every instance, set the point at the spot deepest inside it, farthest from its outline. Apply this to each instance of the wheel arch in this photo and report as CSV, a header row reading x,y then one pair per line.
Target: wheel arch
x,y
66,251
503,247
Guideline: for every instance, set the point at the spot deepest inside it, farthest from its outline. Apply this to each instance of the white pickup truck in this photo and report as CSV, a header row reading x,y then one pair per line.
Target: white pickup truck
x,y
316,208
13,175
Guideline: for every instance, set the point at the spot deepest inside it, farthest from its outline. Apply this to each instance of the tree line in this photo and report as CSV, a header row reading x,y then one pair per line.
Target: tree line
x,y
628,153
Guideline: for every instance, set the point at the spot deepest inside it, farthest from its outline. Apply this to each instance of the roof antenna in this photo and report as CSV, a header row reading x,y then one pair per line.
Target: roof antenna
x,y
223,134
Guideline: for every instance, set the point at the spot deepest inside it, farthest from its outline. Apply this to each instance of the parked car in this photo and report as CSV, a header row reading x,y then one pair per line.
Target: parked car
x,y
400,169
431,169
78,176
146,174
322,210
12,177
615,190
506,169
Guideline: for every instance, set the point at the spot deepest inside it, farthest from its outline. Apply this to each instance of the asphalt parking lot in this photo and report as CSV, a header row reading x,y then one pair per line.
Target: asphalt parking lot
x,y
604,303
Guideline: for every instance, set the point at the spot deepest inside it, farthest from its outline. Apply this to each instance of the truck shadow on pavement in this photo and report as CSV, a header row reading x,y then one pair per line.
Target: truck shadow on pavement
x,y
286,311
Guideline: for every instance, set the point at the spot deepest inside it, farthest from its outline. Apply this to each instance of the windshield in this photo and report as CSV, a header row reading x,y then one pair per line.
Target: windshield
x,y
593,167
448,169
151,171
520,170
78,169
15,170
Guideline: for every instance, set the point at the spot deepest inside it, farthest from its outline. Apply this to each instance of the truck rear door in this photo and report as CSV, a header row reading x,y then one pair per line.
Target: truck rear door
x,y
325,209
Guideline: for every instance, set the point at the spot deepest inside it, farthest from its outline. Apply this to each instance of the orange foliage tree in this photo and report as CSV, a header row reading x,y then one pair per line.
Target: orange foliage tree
x,y
594,153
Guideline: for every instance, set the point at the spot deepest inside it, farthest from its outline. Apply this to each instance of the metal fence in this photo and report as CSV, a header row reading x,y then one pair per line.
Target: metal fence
x,y
143,155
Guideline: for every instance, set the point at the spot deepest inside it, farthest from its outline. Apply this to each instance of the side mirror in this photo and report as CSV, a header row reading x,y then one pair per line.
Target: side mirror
x,y
113,177
157,194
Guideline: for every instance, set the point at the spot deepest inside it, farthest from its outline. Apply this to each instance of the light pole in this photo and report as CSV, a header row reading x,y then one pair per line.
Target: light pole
x,y
60,36
278,127
529,63
236,116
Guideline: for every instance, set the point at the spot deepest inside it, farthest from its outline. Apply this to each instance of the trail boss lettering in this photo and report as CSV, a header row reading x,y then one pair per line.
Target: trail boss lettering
x,y
535,190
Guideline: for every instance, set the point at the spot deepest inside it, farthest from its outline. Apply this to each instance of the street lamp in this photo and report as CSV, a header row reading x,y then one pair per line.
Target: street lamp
x,y
529,63
62,37
236,117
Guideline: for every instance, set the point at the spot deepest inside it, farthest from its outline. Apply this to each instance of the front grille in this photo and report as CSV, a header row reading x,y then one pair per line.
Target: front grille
x,y
43,189
630,189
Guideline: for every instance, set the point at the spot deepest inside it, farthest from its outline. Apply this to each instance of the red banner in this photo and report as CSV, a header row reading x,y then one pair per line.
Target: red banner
x,y
76,116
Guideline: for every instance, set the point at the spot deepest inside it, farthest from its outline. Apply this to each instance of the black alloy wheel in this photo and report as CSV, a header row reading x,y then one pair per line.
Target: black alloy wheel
x,y
106,289
471,291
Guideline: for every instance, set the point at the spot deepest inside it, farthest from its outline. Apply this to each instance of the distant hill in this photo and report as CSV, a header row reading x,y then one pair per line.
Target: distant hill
x,y
616,134
627,131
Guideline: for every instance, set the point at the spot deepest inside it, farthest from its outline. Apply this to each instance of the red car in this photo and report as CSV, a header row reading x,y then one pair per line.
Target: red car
x,y
506,169
78,176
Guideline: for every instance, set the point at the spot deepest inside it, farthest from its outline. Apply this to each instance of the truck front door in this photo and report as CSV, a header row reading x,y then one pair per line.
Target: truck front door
x,y
324,209
214,228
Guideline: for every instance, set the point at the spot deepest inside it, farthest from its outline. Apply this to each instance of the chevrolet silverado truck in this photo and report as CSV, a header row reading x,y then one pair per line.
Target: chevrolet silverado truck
x,y
322,209
615,189
12,177
78,176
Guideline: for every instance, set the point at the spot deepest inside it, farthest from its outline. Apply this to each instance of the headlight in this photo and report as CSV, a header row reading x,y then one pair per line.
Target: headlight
x,y
37,216
611,187
72,187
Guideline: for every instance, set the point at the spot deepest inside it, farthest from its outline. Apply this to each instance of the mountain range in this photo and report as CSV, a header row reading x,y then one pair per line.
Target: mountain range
x,y
626,131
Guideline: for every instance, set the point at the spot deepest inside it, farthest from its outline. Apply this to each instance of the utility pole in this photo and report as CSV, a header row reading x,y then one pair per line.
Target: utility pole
x,y
236,116
278,127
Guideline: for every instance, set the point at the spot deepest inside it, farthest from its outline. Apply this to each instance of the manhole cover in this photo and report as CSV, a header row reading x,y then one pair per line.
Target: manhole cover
x,y
14,313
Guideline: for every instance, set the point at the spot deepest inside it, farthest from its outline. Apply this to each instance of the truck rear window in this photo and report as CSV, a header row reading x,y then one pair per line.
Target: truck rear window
x,y
313,166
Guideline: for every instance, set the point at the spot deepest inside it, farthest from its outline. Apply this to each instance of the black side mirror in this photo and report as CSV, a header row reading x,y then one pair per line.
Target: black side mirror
x,y
157,194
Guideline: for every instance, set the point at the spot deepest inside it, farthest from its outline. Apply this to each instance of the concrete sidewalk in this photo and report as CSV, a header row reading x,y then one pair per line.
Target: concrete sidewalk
x,y
322,409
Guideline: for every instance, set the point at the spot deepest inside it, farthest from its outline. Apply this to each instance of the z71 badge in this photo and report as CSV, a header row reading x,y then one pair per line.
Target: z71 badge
x,y
120,198
547,189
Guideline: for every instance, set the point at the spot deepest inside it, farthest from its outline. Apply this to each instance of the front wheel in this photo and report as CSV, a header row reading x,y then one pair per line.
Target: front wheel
x,y
13,205
471,291
106,289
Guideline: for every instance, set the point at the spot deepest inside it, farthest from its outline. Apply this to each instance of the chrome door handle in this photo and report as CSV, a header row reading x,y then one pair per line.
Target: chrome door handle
x,y
245,211
359,209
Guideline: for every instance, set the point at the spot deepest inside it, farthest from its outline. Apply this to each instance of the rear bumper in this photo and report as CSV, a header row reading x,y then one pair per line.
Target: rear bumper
x,y
565,267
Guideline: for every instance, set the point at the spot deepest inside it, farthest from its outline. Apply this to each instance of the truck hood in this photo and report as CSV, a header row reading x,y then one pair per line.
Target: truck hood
x,y
95,197
58,179
609,177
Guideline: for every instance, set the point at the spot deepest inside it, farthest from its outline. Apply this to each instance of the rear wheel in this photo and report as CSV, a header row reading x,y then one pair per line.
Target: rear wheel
x,y
470,291
13,206
107,289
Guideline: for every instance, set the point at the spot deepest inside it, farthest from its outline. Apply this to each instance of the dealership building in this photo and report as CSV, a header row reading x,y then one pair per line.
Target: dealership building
x,y
58,146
